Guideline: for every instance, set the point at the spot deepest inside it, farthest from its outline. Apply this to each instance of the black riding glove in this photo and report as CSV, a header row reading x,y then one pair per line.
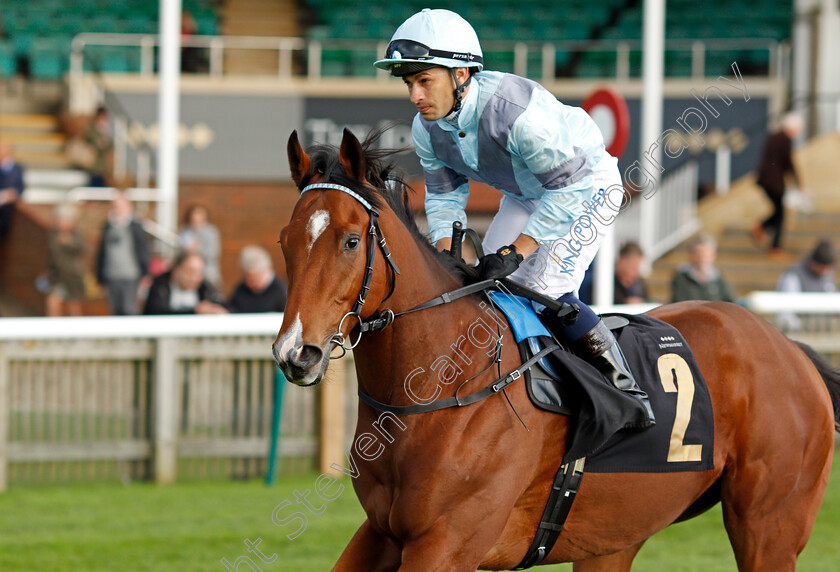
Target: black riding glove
x,y
499,264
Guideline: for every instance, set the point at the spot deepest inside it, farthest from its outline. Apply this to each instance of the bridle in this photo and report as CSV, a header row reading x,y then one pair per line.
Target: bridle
x,y
374,236
382,320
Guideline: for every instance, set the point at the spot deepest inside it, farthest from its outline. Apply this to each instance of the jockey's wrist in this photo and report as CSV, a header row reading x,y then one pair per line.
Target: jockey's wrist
x,y
444,244
525,245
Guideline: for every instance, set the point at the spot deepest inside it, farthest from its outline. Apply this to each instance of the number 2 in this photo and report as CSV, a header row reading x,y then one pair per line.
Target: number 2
x,y
673,368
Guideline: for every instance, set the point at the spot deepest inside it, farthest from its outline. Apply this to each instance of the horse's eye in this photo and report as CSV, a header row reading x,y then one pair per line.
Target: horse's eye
x,y
352,243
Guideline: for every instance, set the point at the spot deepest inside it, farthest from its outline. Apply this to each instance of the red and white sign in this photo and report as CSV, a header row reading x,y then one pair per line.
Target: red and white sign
x,y
608,110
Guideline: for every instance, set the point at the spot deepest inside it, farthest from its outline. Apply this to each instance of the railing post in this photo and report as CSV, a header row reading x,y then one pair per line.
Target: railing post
x,y
144,166
284,62
5,420
549,62
331,416
147,55
380,53
520,59
216,57
698,60
313,61
723,168
165,399
120,147
622,61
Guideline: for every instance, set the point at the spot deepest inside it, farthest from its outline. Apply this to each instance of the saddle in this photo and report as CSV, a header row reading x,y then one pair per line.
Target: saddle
x,y
664,367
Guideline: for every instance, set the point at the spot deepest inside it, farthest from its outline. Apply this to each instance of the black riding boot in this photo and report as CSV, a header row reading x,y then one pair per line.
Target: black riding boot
x,y
600,348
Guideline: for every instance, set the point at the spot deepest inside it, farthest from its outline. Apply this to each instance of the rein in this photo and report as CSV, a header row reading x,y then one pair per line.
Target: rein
x,y
379,322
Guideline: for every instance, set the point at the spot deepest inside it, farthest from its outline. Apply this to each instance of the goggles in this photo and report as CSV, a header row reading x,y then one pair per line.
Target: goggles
x,y
411,50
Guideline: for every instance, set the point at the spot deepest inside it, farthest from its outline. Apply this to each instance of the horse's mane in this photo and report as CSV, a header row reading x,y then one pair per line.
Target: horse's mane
x,y
387,185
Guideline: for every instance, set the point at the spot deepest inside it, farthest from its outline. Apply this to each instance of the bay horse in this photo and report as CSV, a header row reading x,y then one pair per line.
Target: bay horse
x,y
464,488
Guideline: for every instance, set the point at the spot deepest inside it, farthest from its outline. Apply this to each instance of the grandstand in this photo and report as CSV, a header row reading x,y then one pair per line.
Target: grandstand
x,y
39,33
569,46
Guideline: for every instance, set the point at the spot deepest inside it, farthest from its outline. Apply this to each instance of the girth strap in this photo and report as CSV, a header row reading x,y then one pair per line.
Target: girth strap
x,y
563,492
457,401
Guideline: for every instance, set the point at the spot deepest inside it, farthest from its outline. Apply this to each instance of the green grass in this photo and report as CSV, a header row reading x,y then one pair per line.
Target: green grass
x,y
191,526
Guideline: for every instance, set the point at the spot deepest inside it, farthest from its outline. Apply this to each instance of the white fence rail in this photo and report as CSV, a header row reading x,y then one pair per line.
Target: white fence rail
x,y
809,317
166,397
523,53
153,397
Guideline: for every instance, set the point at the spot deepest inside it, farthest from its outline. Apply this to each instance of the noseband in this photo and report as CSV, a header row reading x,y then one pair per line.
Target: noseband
x,y
375,235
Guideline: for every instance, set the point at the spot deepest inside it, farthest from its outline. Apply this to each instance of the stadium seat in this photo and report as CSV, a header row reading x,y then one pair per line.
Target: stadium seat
x,y
8,61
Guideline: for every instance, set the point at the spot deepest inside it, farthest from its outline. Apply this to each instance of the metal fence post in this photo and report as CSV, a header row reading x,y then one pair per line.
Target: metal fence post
x,y
276,418
165,399
5,408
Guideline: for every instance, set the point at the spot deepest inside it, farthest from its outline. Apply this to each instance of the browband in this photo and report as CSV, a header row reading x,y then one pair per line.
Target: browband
x,y
341,188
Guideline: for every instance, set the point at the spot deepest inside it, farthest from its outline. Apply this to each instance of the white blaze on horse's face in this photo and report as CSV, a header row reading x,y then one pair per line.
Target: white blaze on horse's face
x,y
291,339
317,224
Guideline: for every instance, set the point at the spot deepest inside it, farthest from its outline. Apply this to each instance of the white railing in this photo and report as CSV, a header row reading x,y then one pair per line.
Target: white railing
x,y
216,45
153,397
522,52
675,214
810,317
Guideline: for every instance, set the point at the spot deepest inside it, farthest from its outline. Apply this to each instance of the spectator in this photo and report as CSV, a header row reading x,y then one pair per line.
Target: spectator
x,y
123,257
198,235
629,287
66,250
183,289
99,136
700,279
814,274
11,186
776,163
260,289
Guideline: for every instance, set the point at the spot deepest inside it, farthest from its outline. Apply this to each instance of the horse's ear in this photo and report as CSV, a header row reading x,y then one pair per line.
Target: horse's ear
x,y
299,161
352,156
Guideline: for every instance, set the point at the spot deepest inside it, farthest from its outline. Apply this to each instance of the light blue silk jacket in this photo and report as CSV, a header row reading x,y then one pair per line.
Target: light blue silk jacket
x,y
514,135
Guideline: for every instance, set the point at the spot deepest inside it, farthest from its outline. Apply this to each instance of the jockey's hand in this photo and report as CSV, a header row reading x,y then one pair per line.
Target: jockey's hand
x,y
499,264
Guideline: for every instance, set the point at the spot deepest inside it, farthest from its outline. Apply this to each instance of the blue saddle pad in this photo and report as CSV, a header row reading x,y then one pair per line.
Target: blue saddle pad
x,y
521,315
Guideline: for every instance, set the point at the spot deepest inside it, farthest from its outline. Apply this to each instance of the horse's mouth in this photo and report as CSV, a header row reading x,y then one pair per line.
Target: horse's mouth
x,y
303,376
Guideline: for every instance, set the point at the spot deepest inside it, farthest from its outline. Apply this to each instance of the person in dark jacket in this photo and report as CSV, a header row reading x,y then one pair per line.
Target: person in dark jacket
x,y
184,289
11,186
776,164
123,257
629,288
700,279
260,289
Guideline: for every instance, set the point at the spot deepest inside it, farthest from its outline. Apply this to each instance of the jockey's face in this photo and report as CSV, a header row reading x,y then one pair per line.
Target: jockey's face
x,y
432,91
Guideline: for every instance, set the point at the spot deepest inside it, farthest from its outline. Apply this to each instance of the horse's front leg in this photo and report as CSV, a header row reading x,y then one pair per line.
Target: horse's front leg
x,y
370,551
456,543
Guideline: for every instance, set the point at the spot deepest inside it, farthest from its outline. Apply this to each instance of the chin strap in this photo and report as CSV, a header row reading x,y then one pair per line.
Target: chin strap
x,y
459,91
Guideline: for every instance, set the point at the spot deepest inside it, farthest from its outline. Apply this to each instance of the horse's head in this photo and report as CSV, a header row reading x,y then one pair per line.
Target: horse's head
x,y
325,245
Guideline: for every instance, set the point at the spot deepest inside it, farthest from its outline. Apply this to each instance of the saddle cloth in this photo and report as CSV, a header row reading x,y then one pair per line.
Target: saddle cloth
x,y
664,367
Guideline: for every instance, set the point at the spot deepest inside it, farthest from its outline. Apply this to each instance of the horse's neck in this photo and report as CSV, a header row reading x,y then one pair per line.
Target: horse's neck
x,y
417,349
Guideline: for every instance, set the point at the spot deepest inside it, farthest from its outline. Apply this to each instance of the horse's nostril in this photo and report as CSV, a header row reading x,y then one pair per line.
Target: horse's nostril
x,y
306,357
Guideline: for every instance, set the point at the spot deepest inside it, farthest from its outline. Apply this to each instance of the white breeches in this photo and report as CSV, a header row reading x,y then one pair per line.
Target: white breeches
x,y
557,268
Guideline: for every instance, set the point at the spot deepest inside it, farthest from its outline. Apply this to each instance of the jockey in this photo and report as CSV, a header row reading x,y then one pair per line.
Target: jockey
x,y
548,160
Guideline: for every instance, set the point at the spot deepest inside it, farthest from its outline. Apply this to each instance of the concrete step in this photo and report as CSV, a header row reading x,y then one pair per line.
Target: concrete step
x,y
260,27
42,159
28,122
242,11
19,139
